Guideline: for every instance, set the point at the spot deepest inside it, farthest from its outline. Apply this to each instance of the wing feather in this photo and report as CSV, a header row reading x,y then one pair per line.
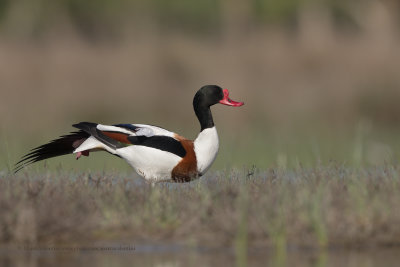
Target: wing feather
x,y
61,146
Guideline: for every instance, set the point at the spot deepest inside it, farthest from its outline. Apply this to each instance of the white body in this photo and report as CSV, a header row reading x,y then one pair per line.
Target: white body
x,y
153,164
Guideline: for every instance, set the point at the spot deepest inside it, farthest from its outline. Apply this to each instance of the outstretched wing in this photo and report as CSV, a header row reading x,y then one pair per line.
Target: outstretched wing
x,y
113,136
93,136
120,135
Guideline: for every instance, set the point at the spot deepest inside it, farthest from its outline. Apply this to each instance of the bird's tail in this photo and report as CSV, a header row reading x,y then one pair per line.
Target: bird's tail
x,y
66,144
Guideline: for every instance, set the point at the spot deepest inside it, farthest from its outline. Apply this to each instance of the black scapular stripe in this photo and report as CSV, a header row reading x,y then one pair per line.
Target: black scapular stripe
x,y
164,143
64,145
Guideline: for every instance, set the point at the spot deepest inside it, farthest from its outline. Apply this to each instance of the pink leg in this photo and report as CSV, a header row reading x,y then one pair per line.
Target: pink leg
x,y
84,153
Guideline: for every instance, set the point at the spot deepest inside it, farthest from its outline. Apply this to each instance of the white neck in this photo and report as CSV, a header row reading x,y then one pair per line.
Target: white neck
x,y
206,148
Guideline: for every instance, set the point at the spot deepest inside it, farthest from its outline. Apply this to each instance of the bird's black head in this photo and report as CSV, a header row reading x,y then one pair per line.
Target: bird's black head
x,y
207,96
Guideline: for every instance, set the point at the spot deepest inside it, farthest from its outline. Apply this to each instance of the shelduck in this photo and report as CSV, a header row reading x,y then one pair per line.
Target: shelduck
x,y
156,154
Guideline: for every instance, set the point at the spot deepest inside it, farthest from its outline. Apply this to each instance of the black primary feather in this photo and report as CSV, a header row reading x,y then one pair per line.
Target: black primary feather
x,y
64,145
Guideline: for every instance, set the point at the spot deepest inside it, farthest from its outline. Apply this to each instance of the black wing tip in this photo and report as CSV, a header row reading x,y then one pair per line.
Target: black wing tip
x,y
85,126
23,163
17,169
57,147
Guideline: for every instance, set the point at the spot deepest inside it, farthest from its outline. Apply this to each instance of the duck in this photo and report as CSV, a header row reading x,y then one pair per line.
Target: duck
x,y
156,154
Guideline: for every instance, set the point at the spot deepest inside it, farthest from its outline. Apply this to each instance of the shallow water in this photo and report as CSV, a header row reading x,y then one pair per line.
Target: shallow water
x,y
174,255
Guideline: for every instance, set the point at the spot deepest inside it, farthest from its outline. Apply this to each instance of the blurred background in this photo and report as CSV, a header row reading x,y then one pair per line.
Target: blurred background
x,y
319,78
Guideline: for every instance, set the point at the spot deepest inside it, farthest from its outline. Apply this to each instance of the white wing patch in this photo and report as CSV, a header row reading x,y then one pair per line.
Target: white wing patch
x,y
110,128
144,131
156,130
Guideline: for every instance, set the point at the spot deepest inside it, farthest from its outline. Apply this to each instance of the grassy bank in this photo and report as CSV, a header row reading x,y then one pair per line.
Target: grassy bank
x,y
318,207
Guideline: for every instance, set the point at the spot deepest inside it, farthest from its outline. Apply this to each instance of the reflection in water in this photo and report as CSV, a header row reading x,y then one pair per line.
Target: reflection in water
x,y
166,255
